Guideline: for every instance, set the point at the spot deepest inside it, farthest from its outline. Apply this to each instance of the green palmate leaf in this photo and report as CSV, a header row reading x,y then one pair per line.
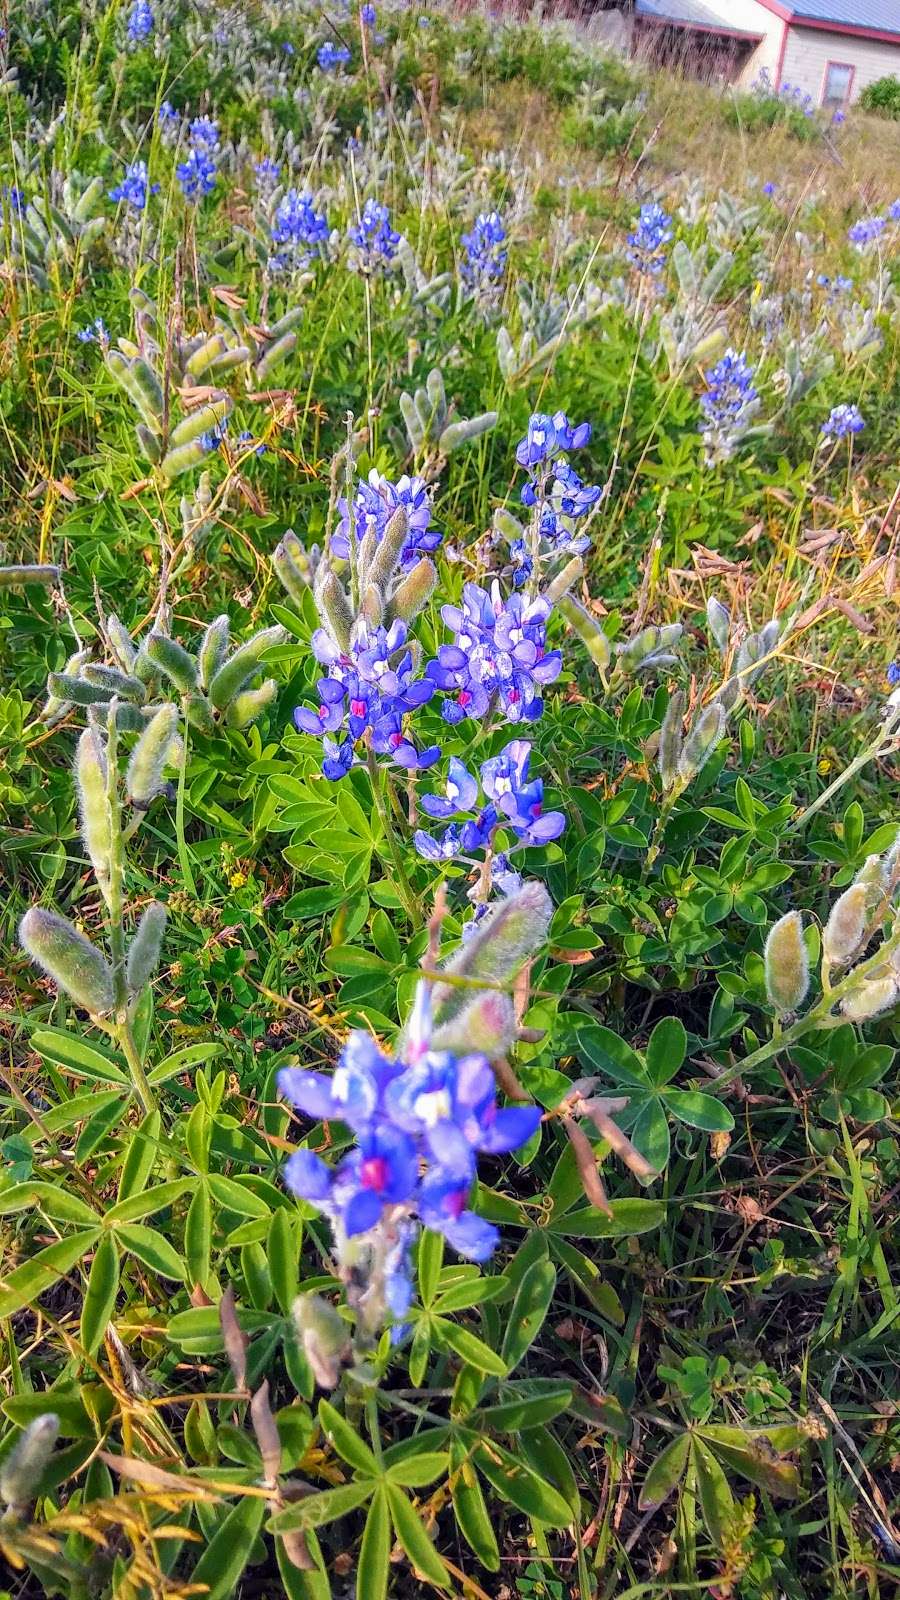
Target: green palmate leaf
x,y
82,1060
628,1217
153,1248
100,1298
144,1205
198,1235
473,1350
138,1163
522,1486
375,1550
237,1197
716,1498
540,1401
106,1116
417,1470
665,1473
316,1510
529,1308
472,1516
346,1441
431,1255
182,1060
754,1459
415,1541
650,1134
229,1550
607,1053
666,1049
283,1254
546,1455
24,1284
699,1110
469,1292
57,1203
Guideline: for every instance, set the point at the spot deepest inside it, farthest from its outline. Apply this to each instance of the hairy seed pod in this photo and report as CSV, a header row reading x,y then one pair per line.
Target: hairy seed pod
x,y
62,686
414,428
334,608
145,948
845,929
510,526
198,714
729,694
486,1025
387,555
90,197
16,576
143,779
149,443
870,999
701,741
121,684
872,875
201,421
120,643
325,1338
459,433
504,940
21,1471
708,348
234,673
414,591
718,620
249,704
644,644
668,752
276,353
294,576
67,957
564,580
129,717
150,388
172,659
179,460
787,964
588,630
91,777
213,649
373,606
291,319
203,357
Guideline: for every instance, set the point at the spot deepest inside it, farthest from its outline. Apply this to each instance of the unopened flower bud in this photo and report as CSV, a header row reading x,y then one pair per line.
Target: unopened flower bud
x,y
388,553
486,1025
414,592
564,580
461,432
787,964
718,619
91,775
143,779
871,998
701,741
670,736
334,607
69,959
21,1471
145,948
325,1338
846,926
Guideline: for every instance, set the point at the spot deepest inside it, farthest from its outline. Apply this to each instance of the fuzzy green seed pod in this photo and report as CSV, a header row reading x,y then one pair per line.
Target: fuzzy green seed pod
x,y
62,686
325,1338
174,462
67,957
564,580
510,526
123,685
668,752
701,741
459,433
201,421
172,659
237,355
276,353
119,640
334,608
718,620
145,948
203,357
22,1469
213,649
131,718
787,964
150,388
708,348
414,428
645,643
17,576
198,714
845,929
485,1024
250,704
149,443
870,999
91,778
292,571
513,930
414,591
143,779
386,557
234,674
588,630
291,319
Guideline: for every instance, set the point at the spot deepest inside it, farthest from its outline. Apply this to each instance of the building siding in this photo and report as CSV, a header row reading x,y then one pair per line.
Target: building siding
x,y
809,50
755,18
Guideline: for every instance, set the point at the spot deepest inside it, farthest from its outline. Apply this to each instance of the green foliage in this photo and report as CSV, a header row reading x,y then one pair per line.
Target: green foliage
x,y
882,97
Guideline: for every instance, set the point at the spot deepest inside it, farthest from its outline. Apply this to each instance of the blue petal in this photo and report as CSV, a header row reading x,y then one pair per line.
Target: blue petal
x,y
306,1174
510,1128
471,1236
308,1091
362,1212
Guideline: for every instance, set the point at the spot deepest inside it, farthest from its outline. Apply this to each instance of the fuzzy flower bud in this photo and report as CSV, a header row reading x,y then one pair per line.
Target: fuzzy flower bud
x,y
145,948
670,736
870,999
414,592
511,932
846,926
701,741
325,1338
718,619
21,1471
93,803
486,1024
787,964
213,649
69,959
143,779
233,675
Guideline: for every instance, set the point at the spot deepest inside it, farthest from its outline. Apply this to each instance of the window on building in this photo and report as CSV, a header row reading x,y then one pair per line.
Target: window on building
x,y
838,81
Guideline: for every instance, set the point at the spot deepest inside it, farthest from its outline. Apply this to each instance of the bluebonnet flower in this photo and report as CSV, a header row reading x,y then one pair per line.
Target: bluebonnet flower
x,y
140,22
730,402
839,116
134,188
16,199
768,188
550,436
368,15
96,331
267,172
893,210
204,134
330,56
299,230
288,48
374,504
196,174
653,231
247,438
420,1124
372,688
866,232
499,656
484,262
214,437
842,420
374,239
513,802
893,674
167,114
555,491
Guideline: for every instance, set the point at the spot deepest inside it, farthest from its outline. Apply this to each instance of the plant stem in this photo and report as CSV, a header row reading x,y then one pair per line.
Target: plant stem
x,y
184,860
125,1039
404,887
884,742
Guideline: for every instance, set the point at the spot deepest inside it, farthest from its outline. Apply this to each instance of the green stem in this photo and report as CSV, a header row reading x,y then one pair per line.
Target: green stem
x,y
184,860
125,1039
404,887
665,811
883,743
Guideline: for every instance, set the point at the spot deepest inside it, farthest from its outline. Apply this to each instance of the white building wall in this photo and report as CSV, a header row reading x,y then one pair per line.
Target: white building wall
x,y
810,49
755,18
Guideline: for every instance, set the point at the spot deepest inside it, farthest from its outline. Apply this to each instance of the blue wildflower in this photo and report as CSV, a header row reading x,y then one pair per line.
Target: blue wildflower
x,y
331,56
485,257
197,175
134,188
140,22
768,188
368,15
267,173
95,332
498,658
299,230
374,504
647,243
550,436
374,239
514,802
842,420
893,211
728,405
866,232
893,674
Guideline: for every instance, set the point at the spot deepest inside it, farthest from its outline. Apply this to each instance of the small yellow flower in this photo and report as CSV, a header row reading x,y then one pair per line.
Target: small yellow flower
x,y
824,766
238,879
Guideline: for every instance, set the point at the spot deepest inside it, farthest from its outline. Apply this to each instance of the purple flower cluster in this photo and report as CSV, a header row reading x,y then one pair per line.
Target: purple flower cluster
x,y
485,256
134,188
555,491
866,232
420,1125
730,401
266,172
140,22
841,421
374,504
498,657
197,174
298,229
369,690
331,56
375,240
653,231
514,802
